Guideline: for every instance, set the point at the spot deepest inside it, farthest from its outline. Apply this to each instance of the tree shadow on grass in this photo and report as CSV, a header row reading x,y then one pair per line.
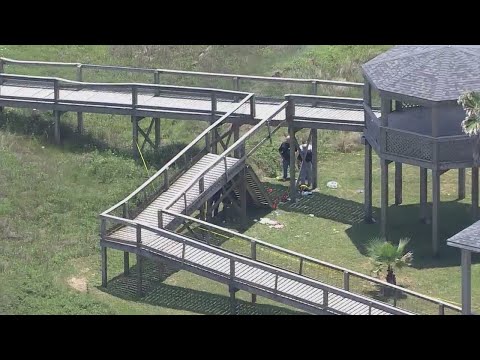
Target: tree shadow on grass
x,y
42,129
403,221
157,293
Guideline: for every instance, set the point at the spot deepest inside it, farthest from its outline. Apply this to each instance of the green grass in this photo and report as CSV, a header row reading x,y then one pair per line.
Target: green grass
x,y
50,196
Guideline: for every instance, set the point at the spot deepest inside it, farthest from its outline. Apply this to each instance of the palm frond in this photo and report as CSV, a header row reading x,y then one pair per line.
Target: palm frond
x,y
470,102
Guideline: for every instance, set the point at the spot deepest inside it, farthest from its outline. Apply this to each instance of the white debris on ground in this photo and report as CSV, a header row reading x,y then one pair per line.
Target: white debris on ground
x,y
272,224
332,185
311,215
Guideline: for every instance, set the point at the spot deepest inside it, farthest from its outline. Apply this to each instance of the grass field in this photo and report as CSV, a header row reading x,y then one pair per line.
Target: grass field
x,y
50,196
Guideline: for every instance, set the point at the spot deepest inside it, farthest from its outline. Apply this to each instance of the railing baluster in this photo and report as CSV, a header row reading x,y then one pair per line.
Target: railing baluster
x,y
166,182
232,269
134,96
56,90
201,185
125,210
139,234
1,71
214,104
370,308
253,250
252,107
301,267
103,228
325,298
160,219
276,282
226,167
346,281
184,248
185,201
441,309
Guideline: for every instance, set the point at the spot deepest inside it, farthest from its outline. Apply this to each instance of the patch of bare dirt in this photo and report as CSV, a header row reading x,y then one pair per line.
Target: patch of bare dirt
x,y
79,284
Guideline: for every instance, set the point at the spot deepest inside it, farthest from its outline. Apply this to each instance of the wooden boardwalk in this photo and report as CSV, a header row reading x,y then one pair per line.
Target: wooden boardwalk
x,y
41,95
242,273
150,233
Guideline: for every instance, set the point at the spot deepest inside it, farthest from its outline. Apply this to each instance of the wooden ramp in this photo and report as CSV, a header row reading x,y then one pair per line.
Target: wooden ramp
x,y
214,180
241,273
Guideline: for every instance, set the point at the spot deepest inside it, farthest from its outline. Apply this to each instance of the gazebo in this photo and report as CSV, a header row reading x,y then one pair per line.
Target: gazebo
x,y
468,240
420,122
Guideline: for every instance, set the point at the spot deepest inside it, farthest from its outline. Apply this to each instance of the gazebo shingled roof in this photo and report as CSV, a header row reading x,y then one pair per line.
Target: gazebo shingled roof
x,y
429,72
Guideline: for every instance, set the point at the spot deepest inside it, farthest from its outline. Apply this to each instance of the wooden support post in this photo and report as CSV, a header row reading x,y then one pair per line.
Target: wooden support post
x,y
57,115
1,82
475,193
104,266
157,133
368,183
80,128
243,198
423,195
209,211
253,256
398,183
461,183
126,263
135,137
384,197
233,301
435,208
289,116
236,136
139,275
314,158
466,282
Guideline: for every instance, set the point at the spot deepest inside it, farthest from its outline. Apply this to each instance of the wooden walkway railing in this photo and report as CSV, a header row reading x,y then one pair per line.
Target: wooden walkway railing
x,y
301,261
226,273
236,80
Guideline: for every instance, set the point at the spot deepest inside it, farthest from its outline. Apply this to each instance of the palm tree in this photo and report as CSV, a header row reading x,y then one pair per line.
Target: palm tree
x,y
386,255
470,102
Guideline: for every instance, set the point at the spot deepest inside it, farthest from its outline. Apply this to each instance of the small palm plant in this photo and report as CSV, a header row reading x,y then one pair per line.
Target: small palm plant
x,y
386,255
470,102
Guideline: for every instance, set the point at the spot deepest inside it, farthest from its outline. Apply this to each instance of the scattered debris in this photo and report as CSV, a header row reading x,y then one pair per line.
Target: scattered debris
x,y
359,191
272,224
297,236
255,220
332,185
267,221
307,233
311,215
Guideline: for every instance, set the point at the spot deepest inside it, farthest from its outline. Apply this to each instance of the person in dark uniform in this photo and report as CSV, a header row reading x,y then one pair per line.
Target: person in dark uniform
x,y
284,151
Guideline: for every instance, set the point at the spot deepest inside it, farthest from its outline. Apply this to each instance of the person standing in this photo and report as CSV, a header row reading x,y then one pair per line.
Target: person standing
x,y
284,151
305,157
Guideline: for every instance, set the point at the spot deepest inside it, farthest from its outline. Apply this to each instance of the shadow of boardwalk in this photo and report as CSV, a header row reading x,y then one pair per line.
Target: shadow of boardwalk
x,y
160,294
403,222
42,128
